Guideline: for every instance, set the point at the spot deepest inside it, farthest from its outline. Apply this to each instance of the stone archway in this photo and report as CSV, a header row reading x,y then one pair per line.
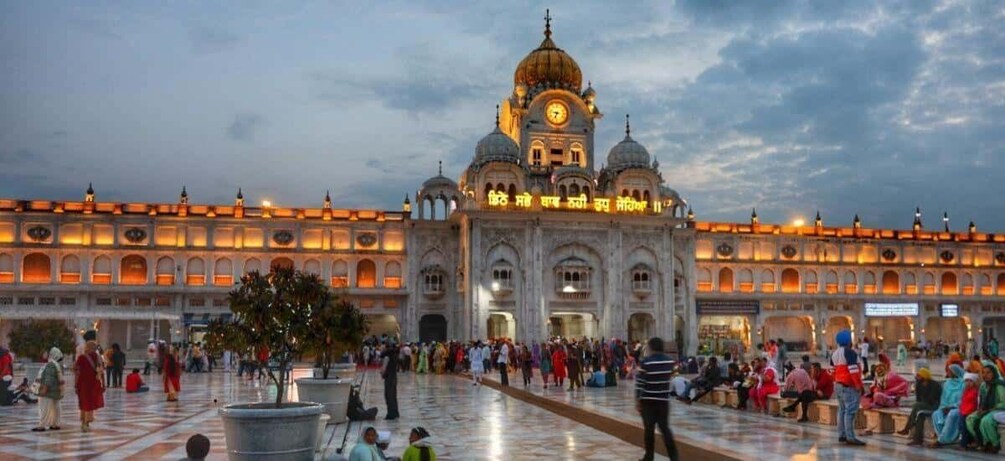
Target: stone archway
x,y
641,327
432,327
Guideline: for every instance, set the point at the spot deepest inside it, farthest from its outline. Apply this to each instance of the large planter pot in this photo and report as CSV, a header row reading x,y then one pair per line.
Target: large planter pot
x,y
344,370
332,393
322,423
260,431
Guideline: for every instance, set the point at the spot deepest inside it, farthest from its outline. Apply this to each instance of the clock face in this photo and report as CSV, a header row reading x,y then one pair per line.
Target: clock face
x,y
557,112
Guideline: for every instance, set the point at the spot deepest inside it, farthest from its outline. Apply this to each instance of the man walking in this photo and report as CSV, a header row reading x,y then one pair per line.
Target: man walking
x,y
503,361
652,398
390,376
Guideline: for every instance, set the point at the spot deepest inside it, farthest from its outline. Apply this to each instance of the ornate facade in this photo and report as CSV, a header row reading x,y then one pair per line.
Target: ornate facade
x,y
541,236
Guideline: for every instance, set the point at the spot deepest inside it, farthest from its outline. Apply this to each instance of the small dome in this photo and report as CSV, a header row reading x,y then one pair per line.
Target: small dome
x,y
497,147
550,66
439,181
628,153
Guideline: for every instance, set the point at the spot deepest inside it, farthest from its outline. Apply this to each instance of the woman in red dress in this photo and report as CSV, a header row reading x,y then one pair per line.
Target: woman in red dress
x,y
558,363
172,375
90,388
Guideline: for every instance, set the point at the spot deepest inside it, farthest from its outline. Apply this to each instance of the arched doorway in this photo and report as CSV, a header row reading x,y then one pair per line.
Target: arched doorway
x,y
366,274
381,324
572,325
795,330
133,270
501,325
37,268
834,325
641,327
281,262
432,327
949,329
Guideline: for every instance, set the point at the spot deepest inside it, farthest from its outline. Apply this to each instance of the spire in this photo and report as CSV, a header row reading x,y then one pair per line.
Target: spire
x,y
240,198
857,223
972,228
183,198
406,206
819,222
441,167
753,216
628,127
328,200
917,218
945,220
547,23
89,194
690,213
497,116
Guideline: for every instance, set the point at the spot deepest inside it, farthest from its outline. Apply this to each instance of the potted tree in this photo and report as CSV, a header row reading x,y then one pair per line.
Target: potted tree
x,y
336,327
271,314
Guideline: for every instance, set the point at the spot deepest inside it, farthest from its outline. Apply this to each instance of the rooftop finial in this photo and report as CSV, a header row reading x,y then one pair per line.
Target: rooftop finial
x,y
628,127
183,199
441,167
497,115
547,23
90,188
240,194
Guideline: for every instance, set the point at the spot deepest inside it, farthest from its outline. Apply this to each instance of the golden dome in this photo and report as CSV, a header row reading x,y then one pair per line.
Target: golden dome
x,y
550,66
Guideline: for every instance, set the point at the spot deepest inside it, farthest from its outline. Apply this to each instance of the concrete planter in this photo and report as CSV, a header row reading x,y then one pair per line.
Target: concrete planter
x,y
346,371
260,431
322,423
332,393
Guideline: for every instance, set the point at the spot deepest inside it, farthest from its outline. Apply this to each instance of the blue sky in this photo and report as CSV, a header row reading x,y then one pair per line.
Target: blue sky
x,y
847,107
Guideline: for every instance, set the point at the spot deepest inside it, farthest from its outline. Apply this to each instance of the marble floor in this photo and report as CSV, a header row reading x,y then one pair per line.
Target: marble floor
x,y
468,423
747,435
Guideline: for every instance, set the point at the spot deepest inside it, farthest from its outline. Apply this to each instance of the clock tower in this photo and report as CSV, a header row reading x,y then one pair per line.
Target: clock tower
x,y
549,114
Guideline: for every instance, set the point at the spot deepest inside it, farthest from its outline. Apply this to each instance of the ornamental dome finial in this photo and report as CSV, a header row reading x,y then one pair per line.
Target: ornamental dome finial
x,y
183,198
548,66
89,194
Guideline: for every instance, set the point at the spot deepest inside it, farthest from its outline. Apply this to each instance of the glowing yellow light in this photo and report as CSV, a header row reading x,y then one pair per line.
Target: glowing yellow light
x,y
266,203
798,222
569,289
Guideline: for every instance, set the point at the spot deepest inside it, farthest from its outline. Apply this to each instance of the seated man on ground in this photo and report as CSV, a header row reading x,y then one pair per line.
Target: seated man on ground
x,y
929,393
134,382
679,386
597,379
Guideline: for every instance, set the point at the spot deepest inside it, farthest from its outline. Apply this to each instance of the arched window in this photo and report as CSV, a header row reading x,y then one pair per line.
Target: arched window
x,y
37,268
768,281
133,270
746,280
223,272
195,272
624,193
1000,284
313,267
704,279
967,284
165,271
850,282
726,280
6,268
432,282
574,190
985,285
502,277
366,274
811,282
281,262
869,282
69,270
252,265
645,197
831,282
562,192
512,193
392,275
910,283
340,274
101,272
929,283
636,195
586,192
891,283
949,283
790,281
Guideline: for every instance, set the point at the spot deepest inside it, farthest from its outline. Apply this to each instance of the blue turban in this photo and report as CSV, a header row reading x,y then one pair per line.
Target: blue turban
x,y
844,338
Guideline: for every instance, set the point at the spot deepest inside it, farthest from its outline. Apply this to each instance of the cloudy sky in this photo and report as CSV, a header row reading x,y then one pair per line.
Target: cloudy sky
x,y
843,106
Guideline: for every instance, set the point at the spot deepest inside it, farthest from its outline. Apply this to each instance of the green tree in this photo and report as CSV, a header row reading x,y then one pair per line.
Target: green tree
x,y
272,313
336,326
36,337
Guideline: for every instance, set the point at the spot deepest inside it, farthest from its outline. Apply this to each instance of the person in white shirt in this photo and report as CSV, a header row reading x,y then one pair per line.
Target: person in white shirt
x,y
477,365
502,362
486,357
864,352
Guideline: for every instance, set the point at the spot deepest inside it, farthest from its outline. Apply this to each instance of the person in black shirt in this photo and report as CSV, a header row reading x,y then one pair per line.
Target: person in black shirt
x,y
390,376
652,398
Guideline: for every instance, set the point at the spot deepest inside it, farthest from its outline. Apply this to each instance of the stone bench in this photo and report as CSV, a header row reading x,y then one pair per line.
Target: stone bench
x,y
827,413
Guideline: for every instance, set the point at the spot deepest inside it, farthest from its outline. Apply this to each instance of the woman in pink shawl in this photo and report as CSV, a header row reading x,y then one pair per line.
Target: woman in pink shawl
x,y
767,385
888,387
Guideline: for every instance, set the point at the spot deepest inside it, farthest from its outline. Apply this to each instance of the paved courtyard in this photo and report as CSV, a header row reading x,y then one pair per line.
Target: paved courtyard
x,y
468,423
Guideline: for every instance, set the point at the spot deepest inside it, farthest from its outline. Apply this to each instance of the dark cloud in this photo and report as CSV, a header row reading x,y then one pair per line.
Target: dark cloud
x,y
245,126
20,158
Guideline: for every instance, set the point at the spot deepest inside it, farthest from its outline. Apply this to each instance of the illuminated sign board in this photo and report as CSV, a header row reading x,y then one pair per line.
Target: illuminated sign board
x,y
950,310
890,309
727,307
576,203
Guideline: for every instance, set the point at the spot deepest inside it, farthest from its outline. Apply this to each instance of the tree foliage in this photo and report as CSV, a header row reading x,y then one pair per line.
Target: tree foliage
x,y
336,327
36,337
278,313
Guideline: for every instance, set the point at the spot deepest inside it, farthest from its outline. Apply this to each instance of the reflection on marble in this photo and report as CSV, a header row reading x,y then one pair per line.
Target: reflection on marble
x,y
748,435
468,423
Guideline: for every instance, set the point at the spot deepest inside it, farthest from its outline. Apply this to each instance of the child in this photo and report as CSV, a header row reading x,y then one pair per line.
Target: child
x,y
134,382
968,405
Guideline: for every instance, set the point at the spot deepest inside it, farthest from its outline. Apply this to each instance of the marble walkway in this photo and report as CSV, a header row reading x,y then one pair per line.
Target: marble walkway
x,y
469,423
747,435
